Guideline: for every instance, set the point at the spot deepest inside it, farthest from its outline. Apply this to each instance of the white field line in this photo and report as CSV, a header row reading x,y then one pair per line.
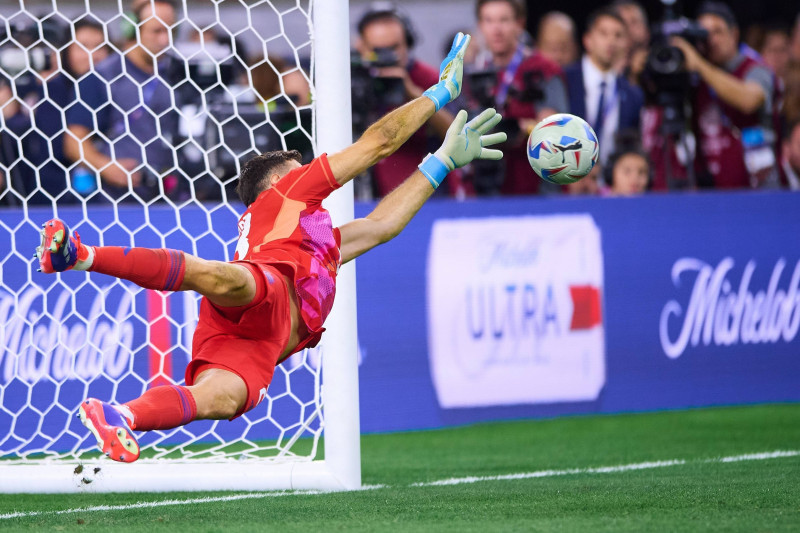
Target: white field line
x,y
611,469
551,473
452,481
759,456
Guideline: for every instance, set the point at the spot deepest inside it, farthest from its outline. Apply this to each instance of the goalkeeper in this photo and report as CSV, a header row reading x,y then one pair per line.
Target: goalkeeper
x,y
272,300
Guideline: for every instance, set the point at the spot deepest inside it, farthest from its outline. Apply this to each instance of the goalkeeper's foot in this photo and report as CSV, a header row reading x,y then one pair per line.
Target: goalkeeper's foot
x,y
59,250
114,436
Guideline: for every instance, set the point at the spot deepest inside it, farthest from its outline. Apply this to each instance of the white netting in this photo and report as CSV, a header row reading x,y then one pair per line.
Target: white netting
x,y
234,81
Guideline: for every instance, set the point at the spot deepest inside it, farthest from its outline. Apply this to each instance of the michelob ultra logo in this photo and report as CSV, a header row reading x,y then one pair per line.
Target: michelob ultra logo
x,y
726,310
44,336
515,310
58,344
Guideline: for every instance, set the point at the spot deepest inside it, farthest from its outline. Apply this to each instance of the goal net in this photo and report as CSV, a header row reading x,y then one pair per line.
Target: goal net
x,y
130,121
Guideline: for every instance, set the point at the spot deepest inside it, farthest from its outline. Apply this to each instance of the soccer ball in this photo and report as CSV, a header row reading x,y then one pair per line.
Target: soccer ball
x,y
562,148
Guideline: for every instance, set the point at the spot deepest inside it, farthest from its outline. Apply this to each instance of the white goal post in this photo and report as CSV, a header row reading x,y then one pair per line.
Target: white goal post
x,y
202,460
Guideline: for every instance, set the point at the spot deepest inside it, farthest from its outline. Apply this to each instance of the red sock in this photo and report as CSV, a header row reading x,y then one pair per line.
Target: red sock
x,y
159,269
164,407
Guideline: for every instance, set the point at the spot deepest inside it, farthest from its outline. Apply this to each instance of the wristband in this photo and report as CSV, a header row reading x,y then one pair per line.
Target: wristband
x,y
439,95
434,170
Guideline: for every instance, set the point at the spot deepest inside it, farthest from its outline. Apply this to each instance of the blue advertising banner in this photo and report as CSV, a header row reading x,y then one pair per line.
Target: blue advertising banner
x,y
699,306
480,310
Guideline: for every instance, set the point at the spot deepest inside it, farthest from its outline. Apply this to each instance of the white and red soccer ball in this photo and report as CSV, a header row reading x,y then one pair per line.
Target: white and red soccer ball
x,y
562,148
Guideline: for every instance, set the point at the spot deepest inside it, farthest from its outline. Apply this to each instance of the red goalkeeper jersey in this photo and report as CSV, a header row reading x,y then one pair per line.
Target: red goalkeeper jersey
x,y
287,227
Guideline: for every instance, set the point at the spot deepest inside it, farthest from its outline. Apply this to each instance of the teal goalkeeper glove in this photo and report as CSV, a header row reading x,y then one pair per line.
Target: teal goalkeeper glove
x,y
450,73
464,142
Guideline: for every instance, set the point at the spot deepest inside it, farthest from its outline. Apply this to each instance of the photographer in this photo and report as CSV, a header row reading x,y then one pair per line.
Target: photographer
x,y
734,106
522,84
123,123
42,94
86,50
385,77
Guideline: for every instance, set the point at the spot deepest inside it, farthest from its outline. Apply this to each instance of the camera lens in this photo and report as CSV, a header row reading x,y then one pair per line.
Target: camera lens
x,y
666,60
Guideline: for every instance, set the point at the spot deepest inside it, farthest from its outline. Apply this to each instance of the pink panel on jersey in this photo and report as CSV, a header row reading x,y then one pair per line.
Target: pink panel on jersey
x,y
319,287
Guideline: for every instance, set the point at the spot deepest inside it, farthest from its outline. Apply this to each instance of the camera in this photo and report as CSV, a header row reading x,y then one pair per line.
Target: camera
x,y
665,65
24,53
482,83
665,79
489,175
210,67
374,95
383,57
667,60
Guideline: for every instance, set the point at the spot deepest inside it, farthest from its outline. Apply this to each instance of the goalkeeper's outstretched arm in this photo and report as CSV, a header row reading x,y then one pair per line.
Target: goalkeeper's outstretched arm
x,y
389,133
464,143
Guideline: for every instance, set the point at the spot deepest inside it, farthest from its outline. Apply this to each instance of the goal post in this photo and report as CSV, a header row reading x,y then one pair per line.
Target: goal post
x,y
334,132
69,336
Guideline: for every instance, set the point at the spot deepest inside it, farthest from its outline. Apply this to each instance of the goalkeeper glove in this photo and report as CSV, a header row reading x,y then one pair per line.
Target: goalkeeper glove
x,y
450,73
464,142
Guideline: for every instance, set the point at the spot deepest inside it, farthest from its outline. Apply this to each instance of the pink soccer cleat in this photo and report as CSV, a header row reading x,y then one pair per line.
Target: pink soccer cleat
x,y
59,251
114,436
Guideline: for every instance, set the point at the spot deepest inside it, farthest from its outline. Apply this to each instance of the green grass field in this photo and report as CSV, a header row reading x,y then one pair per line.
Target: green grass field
x,y
566,490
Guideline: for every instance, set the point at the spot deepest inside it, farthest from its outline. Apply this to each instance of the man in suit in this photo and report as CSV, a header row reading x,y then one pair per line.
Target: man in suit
x,y
599,94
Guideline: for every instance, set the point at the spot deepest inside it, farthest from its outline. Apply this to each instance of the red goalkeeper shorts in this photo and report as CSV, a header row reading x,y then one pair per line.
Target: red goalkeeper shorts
x,y
246,340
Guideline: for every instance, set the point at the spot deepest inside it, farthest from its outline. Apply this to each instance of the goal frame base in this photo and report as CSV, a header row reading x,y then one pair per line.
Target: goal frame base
x,y
168,475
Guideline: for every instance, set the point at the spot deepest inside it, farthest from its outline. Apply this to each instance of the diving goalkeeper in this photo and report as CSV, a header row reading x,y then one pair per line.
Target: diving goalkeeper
x,y
272,299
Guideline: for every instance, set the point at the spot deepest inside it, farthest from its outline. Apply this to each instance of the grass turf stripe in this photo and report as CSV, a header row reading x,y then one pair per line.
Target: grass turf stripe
x,y
777,454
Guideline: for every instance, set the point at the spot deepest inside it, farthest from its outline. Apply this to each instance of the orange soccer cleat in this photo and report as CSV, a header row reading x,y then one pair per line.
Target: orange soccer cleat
x,y
59,250
113,434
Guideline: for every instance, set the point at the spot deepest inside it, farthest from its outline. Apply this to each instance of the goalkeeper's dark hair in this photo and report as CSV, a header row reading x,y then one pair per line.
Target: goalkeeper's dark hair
x,y
254,178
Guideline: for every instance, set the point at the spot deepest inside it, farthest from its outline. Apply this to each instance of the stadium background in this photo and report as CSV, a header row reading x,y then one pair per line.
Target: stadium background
x,y
626,367
696,474
427,21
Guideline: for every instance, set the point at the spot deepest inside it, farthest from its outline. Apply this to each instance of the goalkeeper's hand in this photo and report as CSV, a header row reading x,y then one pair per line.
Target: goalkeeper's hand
x,y
464,142
450,74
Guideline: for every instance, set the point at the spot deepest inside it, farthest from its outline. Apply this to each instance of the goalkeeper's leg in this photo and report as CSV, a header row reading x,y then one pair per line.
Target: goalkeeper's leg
x,y
217,394
225,284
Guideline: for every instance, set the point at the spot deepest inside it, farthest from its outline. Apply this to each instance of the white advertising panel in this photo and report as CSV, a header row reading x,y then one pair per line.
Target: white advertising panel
x,y
515,312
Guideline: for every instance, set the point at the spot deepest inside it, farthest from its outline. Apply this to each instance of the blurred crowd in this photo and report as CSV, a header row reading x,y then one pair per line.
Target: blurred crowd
x,y
677,103
155,114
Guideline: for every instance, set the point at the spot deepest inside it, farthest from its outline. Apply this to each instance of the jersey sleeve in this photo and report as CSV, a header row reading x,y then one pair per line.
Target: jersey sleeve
x,y
310,183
